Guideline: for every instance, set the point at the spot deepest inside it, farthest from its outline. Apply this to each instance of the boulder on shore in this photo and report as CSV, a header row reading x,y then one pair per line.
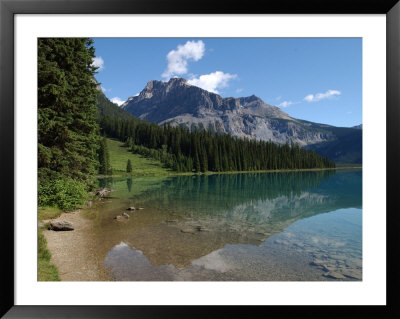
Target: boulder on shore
x,y
62,225
102,191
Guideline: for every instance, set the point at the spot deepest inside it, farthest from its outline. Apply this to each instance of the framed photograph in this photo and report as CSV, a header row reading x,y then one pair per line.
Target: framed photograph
x,y
165,154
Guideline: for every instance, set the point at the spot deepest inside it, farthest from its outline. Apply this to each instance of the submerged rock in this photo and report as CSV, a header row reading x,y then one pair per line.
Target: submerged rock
x,y
201,228
188,231
334,275
123,215
131,208
194,230
318,262
352,274
61,225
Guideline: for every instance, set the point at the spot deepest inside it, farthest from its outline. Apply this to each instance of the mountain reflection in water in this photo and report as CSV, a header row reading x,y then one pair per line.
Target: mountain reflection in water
x,y
197,227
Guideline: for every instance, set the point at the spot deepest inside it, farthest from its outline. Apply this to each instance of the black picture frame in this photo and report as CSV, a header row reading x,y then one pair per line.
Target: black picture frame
x,y
9,8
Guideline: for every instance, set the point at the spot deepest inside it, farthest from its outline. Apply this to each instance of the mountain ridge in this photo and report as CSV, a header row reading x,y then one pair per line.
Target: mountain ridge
x,y
178,103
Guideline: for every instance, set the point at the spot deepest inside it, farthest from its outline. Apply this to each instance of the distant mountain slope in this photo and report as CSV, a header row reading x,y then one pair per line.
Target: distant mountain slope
x,y
346,148
107,108
179,103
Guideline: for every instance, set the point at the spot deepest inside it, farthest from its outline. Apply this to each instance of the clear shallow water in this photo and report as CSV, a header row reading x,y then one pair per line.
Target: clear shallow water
x,y
265,227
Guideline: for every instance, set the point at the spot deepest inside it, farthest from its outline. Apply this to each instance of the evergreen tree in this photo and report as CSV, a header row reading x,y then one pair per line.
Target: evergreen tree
x,y
68,133
107,108
104,158
197,166
129,166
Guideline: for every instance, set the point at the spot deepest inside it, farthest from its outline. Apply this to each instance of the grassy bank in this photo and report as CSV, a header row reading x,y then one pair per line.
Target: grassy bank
x,y
343,165
141,166
46,270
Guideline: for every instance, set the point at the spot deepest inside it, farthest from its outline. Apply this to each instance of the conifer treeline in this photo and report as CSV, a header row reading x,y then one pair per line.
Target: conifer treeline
x,y
68,130
202,151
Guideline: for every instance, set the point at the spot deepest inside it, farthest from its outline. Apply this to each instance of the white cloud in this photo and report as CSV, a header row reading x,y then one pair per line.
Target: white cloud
x,y
320,96
178,59
285,103
99,62
278,98
239,90
117,101
213,81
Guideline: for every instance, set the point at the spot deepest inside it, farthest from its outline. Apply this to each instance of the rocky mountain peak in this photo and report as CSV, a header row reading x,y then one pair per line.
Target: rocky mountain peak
x,y
153,84
250,98
177,81
163,101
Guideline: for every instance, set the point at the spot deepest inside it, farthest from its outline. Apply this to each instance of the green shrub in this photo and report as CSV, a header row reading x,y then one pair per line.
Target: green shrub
x,y
65,193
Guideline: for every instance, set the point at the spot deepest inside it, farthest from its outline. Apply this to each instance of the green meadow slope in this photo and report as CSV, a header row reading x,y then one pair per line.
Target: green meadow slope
x,y
141,166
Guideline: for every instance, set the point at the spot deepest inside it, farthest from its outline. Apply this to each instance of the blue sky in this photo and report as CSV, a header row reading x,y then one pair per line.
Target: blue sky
x,y
314,79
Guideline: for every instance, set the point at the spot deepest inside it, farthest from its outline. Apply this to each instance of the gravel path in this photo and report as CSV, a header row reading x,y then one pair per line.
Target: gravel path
x,y
72,251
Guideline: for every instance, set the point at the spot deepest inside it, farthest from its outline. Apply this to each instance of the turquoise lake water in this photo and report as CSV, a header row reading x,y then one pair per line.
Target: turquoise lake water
x,y
293,226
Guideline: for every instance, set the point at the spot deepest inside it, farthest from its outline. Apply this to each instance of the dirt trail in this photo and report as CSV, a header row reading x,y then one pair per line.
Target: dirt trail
x,y
72,252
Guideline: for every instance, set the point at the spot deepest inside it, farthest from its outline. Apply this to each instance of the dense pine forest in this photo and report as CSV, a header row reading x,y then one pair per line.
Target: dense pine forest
x,y
68,129
74,117
202,151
